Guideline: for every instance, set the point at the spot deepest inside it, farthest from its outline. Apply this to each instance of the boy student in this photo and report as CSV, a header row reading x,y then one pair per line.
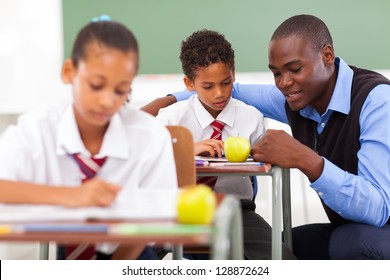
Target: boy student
x,y
211,114
48,156
339,117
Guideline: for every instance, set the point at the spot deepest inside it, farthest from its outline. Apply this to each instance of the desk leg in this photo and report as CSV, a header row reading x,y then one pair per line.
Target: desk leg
x,y
286,196
177,252
237,239
228,230
43,251
276,213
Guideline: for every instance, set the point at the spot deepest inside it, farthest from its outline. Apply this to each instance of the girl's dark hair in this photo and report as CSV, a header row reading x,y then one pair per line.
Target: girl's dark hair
x,y
305,26
108,33
203,48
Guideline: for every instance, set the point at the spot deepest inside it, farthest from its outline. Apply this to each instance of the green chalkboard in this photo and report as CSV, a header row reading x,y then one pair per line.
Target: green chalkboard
x,y
360,28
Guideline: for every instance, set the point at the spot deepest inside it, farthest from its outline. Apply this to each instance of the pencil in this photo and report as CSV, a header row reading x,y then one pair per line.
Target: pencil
x,y
236,164
5,229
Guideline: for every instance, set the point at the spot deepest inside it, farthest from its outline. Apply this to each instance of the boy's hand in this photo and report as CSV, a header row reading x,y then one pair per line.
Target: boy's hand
x,y
94,192
211,146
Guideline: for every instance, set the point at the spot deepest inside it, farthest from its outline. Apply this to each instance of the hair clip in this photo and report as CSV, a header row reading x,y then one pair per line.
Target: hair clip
x,y
101,18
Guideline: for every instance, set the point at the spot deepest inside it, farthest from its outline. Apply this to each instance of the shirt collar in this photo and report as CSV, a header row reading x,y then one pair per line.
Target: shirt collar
x,y
69,140
226,116
341,97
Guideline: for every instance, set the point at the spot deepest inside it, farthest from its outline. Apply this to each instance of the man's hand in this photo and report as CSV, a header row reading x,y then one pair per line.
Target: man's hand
x,y
281,149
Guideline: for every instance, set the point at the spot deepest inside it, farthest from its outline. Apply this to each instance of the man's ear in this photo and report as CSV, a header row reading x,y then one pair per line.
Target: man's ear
x,y
68,71
189,84
328,55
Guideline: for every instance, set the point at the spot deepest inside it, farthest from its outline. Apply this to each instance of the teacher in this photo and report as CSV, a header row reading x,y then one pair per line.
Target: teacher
x,y
340,121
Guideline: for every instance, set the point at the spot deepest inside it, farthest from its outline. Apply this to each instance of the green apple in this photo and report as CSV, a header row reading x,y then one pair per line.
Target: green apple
x,y
196,205
237,149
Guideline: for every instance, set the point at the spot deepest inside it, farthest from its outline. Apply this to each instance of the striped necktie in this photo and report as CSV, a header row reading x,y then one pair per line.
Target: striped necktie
x,y
89,166
217,130
217,134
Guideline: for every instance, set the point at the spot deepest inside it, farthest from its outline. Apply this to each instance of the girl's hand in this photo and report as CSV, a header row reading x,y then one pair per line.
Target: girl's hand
x,y
94,192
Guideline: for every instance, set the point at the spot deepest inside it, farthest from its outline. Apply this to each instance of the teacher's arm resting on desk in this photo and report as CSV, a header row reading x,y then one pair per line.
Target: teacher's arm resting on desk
x,y
94,192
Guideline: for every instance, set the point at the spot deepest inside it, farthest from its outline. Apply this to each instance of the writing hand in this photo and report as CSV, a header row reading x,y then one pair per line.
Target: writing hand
x,y
94,192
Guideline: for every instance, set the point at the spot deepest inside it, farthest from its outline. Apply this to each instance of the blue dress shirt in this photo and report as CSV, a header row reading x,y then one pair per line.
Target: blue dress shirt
x,y
363,198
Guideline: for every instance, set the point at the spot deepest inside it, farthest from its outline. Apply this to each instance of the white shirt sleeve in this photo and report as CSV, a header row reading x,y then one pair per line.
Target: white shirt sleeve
x,y
163,165
163,117
15,161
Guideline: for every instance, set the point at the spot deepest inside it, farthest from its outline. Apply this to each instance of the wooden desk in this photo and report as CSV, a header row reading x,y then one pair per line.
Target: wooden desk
x,y
224,237
281,201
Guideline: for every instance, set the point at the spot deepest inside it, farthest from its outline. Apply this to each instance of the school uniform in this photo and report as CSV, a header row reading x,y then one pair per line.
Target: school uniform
x,y
239,119
138,150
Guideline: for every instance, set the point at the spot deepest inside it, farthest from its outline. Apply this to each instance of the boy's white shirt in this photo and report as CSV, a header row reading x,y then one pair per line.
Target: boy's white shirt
x,y
139,151
239,118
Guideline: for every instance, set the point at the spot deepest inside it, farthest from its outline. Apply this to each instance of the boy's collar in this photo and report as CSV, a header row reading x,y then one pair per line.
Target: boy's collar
x,y
227,115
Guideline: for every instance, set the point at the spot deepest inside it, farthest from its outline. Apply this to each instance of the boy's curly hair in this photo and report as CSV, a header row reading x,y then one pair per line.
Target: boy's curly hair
x,y
203,48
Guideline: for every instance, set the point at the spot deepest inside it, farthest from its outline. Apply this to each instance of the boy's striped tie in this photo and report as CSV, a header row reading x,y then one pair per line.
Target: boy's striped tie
x,y
88,169
217,134
217,130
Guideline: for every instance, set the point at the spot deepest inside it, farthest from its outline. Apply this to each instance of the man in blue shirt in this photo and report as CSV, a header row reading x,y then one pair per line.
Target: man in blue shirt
x,y
340,121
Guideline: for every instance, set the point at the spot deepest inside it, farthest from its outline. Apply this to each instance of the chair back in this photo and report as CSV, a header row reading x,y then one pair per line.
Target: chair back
x,y
183,149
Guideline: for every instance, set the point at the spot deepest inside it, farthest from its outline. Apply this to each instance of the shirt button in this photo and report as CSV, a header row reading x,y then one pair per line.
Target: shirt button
x,y
322,125
320,193
339,212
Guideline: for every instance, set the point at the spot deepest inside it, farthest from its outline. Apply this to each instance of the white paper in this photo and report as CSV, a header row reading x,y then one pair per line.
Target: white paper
x,y
217,159
140,204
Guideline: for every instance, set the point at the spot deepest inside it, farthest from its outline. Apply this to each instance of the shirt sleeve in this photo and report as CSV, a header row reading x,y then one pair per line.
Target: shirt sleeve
x,y
160,170
265,98
15,162
182,95
162,117
259,131
364,198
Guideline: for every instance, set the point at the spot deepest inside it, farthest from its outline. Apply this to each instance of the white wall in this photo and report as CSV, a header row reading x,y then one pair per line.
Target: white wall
x,y
31,52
